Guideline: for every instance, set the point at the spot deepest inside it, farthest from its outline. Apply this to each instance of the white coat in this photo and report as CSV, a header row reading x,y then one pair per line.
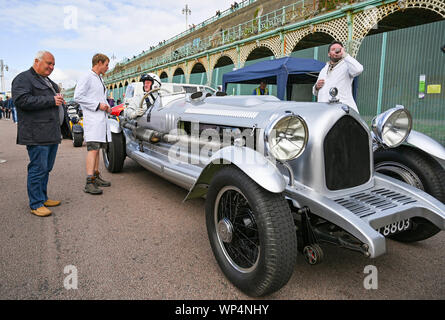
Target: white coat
x,y
340,77
90,91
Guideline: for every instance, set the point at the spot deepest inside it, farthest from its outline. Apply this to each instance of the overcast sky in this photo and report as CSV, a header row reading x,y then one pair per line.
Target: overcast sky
x,y
75,30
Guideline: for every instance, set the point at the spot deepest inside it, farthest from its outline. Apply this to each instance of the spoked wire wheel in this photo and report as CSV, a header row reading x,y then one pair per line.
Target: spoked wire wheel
x,y
237,229
251,232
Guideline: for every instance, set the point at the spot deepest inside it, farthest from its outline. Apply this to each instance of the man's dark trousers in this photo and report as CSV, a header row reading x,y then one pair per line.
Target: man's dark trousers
x,y
42,158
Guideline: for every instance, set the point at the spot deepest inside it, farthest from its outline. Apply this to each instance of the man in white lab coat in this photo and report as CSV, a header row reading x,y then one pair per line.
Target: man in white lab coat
x,y
91,95
339,72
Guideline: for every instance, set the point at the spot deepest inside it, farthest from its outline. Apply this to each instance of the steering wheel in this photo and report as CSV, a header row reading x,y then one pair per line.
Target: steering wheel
x,y
151,91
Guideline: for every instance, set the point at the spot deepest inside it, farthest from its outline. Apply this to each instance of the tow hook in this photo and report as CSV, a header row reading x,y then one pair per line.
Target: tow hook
x,y
312,251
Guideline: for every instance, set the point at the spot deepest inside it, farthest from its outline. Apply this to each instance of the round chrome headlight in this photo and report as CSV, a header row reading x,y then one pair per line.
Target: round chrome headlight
x,y
286,137
392,127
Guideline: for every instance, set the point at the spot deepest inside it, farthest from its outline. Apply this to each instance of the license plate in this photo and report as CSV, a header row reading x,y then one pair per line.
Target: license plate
x,y
395,227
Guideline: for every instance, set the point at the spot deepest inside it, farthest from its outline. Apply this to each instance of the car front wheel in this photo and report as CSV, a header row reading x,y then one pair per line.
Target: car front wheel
x,y
251,233
114,154
418,169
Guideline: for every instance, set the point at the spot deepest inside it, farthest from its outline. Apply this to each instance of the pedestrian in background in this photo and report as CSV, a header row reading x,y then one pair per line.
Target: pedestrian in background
x,y
339,72
110,101
39,105
13,110
1,107
6,107
261,90
91,95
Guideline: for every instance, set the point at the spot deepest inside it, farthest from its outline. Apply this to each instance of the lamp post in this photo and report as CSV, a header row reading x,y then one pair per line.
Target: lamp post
x,y
2,75
187,12
113,57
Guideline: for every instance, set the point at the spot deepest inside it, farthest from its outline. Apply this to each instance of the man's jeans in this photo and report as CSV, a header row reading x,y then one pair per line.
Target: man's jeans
x,y
41,163
14,114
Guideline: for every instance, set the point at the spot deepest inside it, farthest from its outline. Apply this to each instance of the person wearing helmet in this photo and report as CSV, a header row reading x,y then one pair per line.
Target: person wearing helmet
x,y
151,83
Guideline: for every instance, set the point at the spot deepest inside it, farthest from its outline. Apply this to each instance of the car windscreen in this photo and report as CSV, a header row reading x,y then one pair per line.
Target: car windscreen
x,y
190,89
129,93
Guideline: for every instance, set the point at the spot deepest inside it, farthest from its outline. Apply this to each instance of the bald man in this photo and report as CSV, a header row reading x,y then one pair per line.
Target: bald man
x,y
39,107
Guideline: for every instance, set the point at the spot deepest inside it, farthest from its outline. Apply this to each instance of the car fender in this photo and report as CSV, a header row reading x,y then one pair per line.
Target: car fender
x,y
114,125
427,144
252,163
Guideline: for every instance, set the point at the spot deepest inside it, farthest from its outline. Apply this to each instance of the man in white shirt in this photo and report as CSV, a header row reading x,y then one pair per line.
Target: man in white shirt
x,y
339,72
91,95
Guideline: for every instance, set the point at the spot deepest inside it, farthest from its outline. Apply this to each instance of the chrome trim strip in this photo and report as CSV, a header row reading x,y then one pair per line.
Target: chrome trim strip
x,y
223,113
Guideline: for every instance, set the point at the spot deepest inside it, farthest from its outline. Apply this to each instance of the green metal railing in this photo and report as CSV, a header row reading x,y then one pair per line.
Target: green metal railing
x,y
299,10
287,15
165,43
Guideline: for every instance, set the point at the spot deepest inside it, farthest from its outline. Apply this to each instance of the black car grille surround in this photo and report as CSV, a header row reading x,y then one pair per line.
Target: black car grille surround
x,y
346,155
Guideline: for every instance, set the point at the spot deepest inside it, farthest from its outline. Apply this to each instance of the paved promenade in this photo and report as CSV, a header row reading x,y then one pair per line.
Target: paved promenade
x,y
140,241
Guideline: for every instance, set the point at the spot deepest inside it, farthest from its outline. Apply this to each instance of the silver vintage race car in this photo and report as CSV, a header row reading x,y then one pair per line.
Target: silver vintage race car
x,y
279,178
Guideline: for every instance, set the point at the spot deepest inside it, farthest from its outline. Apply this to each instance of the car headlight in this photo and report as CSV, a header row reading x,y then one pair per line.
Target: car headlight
x,y
286,137
392,127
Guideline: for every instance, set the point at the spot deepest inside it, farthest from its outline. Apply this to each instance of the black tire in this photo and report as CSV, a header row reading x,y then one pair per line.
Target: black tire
x,y
114,155
260,256
77,139
420,170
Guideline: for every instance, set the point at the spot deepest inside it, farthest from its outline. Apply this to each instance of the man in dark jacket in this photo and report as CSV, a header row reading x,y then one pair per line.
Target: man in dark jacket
x,y
6,108
38,104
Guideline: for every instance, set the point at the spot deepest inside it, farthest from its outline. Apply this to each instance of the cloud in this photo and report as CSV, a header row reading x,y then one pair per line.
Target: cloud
x,y
9,76
130,26
67,77
75,30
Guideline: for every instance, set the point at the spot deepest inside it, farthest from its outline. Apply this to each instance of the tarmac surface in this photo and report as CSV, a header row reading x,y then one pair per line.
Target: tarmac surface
x,y
139,240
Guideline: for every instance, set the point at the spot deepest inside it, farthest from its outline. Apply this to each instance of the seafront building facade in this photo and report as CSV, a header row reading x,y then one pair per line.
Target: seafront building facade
x,y
398,42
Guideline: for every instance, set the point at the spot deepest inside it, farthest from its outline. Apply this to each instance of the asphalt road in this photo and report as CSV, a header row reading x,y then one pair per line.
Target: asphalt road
x,y
140,241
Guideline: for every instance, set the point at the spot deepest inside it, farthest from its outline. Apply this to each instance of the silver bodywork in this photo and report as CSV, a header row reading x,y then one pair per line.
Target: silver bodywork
x,y
425,143
360,210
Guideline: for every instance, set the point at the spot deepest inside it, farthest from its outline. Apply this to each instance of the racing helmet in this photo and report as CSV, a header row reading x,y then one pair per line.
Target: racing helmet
x,y
154,78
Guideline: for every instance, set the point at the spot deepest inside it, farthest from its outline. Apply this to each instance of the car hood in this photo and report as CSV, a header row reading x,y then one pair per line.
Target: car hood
x,y
248,111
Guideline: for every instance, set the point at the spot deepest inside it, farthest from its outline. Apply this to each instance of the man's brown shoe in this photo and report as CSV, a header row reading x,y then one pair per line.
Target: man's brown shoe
x,y
101,182
91,187
41,212
51,203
